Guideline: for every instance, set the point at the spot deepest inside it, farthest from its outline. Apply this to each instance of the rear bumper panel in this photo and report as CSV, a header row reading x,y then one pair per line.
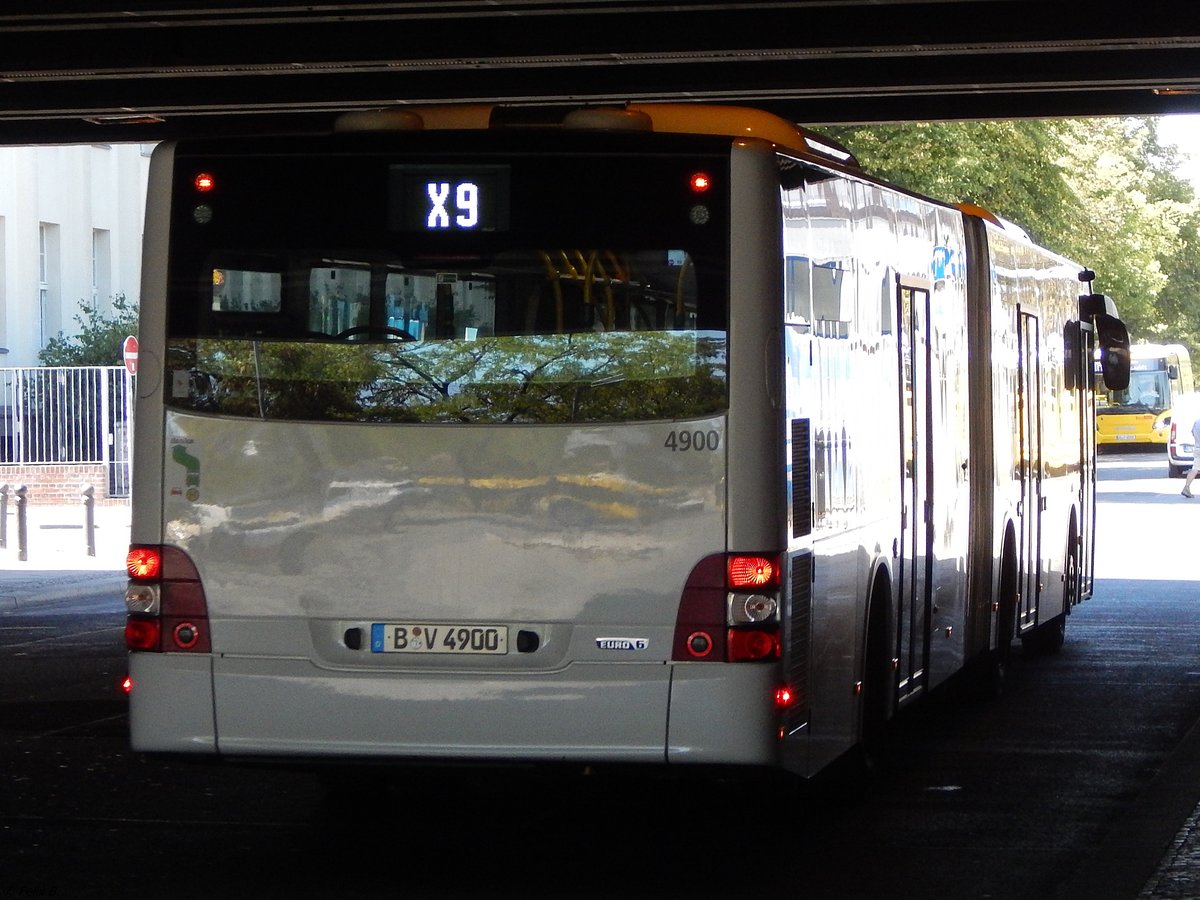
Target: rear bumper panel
x,y
171,703
290,707
279,709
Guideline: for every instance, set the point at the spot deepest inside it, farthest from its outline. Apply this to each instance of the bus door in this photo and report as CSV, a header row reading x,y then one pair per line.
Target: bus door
x,y
916,446
1029,437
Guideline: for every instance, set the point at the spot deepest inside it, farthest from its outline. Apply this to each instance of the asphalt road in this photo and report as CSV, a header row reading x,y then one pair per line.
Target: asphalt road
x,y
1060,789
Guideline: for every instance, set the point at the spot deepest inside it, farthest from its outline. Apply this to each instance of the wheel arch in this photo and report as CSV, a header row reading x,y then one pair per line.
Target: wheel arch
x,y
1007,577
877,650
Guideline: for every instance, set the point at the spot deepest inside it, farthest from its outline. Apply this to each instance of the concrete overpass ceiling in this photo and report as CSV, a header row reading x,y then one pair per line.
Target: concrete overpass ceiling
x,y
99,70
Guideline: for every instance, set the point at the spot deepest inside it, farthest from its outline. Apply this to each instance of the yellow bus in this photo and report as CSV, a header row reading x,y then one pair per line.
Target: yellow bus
x,y
1140,414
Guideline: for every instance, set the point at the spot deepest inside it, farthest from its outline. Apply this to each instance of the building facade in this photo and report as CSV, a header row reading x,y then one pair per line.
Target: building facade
x,y
71,221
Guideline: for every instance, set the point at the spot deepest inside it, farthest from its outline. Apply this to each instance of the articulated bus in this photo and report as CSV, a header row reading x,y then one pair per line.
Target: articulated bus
x,y
1139,413
655,434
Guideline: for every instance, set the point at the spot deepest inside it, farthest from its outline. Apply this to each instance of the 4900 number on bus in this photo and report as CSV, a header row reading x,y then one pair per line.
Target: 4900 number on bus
x,y
456,639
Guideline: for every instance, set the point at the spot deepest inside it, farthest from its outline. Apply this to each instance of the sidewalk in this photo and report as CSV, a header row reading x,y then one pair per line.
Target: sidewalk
x,y
58,566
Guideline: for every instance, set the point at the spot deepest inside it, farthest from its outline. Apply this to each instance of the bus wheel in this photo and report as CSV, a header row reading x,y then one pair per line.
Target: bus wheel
x,y
854,773
877,680
1049,637
990,684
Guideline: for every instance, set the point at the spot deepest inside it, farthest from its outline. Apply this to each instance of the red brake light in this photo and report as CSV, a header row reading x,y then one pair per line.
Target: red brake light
x,y
750,645
784,697
142,634
144,563
168,612
752,571
708,625
204,182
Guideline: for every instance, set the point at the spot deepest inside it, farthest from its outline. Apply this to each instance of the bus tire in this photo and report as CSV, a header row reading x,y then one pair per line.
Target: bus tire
x,y
854,772
878,677
995,670
1049,637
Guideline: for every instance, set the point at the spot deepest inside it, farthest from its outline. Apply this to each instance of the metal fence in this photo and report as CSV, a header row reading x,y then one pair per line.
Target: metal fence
x,y
68,415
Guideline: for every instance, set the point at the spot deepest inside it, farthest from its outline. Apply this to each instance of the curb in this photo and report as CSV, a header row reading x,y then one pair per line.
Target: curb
x,y
32,592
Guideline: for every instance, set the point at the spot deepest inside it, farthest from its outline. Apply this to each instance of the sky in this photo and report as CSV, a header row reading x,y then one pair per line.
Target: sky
x,y
1184,132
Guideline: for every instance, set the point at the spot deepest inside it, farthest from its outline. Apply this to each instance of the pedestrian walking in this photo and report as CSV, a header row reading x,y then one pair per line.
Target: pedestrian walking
x,y
1195,469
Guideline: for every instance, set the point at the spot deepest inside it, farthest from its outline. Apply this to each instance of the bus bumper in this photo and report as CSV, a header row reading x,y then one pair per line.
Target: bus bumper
x,y
171,703
288,707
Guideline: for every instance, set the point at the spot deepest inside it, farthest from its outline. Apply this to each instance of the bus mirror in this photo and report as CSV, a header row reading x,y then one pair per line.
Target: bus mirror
x,y
1173,372
1114,351
1091,305
1072,351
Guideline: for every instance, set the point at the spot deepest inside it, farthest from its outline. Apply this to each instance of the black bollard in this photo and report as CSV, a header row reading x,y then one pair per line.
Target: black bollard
x,y
89,519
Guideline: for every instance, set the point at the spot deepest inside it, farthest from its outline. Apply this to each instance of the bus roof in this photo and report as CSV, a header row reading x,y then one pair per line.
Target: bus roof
x,y
1154,351
677,118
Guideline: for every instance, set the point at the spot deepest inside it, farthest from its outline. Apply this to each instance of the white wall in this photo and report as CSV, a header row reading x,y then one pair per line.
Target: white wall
x,y
74,190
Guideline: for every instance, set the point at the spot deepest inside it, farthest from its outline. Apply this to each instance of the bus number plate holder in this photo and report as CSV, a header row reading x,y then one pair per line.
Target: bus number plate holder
x,y
456,640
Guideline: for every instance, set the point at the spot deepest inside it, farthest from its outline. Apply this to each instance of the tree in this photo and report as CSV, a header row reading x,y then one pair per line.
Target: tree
x,y
1011,168
100,336
1102,192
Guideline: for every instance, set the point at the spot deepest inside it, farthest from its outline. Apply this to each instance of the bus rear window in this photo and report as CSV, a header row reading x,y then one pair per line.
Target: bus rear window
x,y
542,335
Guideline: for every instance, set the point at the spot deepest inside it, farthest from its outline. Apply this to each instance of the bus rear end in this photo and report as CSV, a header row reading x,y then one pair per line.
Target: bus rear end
x,y
434,455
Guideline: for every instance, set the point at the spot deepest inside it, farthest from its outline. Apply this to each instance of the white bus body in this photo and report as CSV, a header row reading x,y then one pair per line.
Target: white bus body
x,y
561,455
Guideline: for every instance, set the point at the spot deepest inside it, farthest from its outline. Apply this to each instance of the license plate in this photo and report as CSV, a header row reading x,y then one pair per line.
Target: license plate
x,y
453,639
1126,437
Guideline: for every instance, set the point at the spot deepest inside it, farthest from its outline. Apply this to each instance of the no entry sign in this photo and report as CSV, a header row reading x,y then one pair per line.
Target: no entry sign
x,y
129,350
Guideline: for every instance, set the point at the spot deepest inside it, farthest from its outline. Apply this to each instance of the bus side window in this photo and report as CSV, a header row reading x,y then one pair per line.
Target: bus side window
x,y
236,290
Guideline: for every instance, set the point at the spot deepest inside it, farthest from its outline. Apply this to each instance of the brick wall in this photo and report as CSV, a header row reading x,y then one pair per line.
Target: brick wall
x,y
59,484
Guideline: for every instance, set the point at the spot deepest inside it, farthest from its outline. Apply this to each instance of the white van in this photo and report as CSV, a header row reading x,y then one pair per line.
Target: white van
x,y
1180,448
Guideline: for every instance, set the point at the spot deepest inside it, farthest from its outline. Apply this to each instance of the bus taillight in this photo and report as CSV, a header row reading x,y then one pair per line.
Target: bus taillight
x,y
744,644
142,633
748,571
168,612
144,563
729,610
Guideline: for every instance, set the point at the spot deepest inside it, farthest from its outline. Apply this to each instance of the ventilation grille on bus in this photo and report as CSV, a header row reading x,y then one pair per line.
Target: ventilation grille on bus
x,y
801,482
799,639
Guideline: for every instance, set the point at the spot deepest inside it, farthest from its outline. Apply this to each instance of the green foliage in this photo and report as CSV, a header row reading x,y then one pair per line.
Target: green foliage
x,y
1102,192
100,336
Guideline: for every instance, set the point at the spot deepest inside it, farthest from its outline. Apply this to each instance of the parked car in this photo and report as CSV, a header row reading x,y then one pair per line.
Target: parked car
x,y
1180,449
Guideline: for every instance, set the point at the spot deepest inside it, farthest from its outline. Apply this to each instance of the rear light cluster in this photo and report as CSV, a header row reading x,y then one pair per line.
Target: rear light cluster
x,y
168,612
729,611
